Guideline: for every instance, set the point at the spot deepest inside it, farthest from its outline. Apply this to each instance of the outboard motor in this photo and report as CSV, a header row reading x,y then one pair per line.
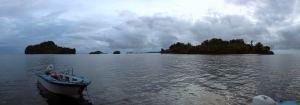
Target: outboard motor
x,y
263,100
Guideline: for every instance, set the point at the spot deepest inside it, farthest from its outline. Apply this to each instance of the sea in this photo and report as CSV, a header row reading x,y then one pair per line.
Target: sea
x,y
154,79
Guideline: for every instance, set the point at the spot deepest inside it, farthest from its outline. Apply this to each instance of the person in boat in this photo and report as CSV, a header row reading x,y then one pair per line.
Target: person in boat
x,y
48,72
49,69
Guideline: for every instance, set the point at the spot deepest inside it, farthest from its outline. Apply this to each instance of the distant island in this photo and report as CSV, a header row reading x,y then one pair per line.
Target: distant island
x,y
219,46
48,47
117,52
142,52
97,52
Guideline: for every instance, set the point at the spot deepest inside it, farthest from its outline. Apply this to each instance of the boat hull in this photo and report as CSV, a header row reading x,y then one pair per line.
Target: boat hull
x,y
69,90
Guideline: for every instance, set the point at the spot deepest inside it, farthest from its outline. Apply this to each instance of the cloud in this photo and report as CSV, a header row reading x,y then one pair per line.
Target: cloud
x,y
241,2
37,28
76,24
79,36
162,31
15,8
276,12
228,27
127,14
33,30
291,36
281,18
145,32
271,12
90,24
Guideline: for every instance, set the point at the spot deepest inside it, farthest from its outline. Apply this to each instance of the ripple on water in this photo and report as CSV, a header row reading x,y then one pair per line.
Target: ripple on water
x,y
163,79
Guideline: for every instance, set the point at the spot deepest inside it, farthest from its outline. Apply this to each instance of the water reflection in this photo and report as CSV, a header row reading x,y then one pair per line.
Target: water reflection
x,y
58,99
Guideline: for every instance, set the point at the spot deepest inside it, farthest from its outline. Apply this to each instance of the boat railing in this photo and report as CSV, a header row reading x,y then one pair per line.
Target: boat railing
x,y
67,70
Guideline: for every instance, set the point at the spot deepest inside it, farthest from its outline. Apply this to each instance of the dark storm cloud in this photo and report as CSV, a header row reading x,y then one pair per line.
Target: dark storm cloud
x,y
291,36
277,15
275,12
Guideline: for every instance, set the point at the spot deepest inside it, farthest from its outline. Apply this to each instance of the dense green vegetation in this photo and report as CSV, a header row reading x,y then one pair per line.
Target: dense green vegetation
x,y
117,52
48,47
219,46
96,52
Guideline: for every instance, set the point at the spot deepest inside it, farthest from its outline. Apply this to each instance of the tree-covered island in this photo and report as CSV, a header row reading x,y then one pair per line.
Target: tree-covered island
x,y
117,52
219,46
97,52
48,47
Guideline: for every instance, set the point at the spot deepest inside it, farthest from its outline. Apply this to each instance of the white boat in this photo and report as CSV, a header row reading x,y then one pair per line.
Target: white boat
x,y
64,82
266,100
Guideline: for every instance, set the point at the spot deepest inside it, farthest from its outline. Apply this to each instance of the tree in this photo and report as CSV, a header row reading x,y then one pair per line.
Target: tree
x,y
162,50
258,48
267,48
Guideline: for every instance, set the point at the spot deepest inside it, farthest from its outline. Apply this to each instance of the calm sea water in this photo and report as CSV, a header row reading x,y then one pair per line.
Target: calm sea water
x,y
154,79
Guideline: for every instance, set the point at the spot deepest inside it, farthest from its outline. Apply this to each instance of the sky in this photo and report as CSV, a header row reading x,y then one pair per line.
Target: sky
x,y
147,25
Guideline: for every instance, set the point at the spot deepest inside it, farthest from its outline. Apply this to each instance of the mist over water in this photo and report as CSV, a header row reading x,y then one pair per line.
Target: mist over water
x,y
153,79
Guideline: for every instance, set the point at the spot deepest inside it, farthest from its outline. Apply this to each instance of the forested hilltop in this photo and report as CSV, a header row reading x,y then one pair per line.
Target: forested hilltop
x,y
96,52
219,46
48,47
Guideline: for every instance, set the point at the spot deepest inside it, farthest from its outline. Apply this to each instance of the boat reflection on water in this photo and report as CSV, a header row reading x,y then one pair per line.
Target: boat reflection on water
x,y
58,99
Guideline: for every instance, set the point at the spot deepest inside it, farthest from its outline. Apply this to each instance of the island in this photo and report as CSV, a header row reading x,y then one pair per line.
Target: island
x,y
117,52
143,52
48,47
96,52
218,46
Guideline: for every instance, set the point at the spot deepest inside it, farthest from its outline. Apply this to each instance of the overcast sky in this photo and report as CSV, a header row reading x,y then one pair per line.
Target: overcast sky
x,y
146,25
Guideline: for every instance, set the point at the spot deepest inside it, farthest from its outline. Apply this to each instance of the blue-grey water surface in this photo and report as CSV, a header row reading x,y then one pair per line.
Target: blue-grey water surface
x,y
154,79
